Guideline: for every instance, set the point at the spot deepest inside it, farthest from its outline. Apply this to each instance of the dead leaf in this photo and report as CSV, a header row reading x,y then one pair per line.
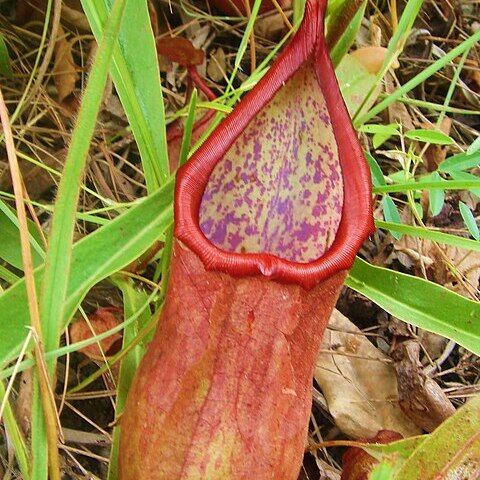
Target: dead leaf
x,y
270,27
217,65
397,111
64,69
101,321
358,382
180,50
23,405
372,58
421,398
436,154
458,269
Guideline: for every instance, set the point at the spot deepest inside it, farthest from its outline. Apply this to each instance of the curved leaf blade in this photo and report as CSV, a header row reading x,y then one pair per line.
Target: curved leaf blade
x,y
137,80
420,303
451,451
94,258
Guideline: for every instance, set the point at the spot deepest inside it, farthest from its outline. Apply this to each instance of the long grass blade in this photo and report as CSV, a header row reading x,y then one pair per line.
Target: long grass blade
x,y
137,80
94,258
420,78
419,302
58,261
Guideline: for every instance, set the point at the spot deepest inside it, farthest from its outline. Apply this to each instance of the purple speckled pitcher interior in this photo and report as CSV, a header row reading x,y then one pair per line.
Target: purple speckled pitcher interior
x,y
279,188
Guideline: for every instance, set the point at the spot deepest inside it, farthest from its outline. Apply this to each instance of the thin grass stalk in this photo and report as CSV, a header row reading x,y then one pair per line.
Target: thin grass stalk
x,y
428,185
57,266
137,81
48,418
420,78
395,47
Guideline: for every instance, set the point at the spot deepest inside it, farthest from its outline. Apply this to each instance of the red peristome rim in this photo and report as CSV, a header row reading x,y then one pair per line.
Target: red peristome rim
x,y
356,222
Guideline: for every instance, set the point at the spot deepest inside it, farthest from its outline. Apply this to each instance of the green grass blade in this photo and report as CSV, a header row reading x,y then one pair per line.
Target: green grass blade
x,y
133,300
242,48
420,78
468,177
428,234
137,80
15,437
7,276
419,302
429,185
5,68
348,37
10,247
187,129
75,347
94,258
469,220
57,265
395,46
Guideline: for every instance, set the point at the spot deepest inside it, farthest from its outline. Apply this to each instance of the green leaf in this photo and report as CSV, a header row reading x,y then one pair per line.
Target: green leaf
x,y
381,133
399,177
137,80
348,37
399,449
7,276
474,147
435,236
57,264
452,451
375,170
187,129
437,197
469,177
429,136
5,68
382,471
355,81
461,161
10,247
389,130
469,220
419,302
15,435
55,279
94,258
390,212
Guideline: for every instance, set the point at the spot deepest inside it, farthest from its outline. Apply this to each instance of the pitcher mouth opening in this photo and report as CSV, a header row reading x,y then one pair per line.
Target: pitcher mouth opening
x,y
281,187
